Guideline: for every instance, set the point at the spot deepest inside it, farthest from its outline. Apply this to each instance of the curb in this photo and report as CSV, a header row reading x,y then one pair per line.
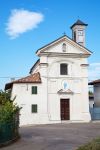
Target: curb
x,y
10,142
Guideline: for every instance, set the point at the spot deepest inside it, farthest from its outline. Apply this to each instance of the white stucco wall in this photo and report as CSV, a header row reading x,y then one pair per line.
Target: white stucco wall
x,y
25,99
77,80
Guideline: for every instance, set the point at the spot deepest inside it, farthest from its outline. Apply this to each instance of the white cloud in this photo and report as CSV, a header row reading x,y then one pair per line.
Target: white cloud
x,y
21,21
94,71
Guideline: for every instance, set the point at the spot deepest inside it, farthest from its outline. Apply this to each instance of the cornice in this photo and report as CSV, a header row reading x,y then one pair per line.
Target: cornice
x,y
67,55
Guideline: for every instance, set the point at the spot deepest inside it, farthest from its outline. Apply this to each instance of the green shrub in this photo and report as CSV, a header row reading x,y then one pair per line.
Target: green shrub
x,y
7,108
93,145
9,119
7,112
4,97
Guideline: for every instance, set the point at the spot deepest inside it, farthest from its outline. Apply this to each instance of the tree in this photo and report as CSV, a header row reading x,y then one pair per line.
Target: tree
x,y
4,96
7,107
9,119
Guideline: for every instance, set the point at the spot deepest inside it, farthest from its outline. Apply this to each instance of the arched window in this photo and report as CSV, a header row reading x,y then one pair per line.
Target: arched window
x,y
64,47
64,69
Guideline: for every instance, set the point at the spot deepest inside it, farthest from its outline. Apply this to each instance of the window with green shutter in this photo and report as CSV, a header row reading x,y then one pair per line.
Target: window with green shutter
x,y
34,89
34,108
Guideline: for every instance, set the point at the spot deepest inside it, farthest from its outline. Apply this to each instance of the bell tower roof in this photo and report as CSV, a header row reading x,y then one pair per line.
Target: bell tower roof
x,y
79,22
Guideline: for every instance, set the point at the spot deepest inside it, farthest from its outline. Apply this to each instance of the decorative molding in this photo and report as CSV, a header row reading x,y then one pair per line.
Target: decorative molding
x,y
68,91
84,65
68,55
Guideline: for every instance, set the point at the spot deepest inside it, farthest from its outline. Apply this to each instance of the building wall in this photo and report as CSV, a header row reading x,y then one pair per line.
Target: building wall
x,y
25,99
77,80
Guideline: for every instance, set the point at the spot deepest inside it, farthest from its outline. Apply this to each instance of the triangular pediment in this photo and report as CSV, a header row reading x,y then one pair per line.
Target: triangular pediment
x,y
71,47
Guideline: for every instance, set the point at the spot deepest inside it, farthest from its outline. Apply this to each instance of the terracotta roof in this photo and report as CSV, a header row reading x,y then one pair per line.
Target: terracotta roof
x,y
78,22
94,82
34,78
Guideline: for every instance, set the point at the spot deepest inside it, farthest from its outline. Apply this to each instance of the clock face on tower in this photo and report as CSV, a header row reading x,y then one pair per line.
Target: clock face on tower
x,y
80,38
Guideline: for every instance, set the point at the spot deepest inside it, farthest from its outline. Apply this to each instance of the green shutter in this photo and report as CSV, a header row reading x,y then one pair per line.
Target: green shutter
x,y
34,89
34,108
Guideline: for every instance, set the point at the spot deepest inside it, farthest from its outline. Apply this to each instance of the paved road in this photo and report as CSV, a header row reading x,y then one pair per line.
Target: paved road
x,y
55,137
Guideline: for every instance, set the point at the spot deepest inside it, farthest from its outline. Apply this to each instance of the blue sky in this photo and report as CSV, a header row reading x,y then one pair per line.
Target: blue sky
x,y
46,20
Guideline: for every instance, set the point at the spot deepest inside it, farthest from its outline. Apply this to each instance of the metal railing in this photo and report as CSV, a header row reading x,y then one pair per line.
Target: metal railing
x,y
95,113
9,131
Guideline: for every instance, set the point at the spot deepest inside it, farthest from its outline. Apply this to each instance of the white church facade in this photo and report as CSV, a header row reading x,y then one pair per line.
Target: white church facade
x,y
57,88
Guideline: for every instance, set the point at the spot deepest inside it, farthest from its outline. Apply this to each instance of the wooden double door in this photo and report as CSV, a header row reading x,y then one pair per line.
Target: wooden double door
x,y
64,109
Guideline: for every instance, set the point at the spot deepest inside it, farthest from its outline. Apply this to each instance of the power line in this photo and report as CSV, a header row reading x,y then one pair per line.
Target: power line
x,y
10,77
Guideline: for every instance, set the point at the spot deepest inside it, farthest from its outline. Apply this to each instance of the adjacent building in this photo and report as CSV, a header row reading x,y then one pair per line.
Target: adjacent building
x,y
96,89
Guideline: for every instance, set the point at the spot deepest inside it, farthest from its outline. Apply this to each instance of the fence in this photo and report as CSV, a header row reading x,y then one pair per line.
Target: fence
x,y
9,131
95,113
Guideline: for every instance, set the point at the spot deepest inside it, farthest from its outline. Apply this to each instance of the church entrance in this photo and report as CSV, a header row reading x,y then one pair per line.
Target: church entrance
x,y
64,109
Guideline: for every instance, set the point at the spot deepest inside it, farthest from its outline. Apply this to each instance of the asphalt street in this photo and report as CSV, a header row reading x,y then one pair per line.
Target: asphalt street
x,y
55,136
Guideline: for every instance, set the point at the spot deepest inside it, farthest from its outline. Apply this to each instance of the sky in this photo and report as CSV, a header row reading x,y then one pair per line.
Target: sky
x,y
27,25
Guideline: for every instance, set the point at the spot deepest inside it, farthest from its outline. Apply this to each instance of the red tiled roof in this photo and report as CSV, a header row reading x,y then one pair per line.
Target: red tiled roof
x,y
94,82
34,78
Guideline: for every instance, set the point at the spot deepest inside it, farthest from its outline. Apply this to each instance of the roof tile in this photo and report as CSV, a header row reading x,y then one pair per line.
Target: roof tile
x,y
33,78
94,82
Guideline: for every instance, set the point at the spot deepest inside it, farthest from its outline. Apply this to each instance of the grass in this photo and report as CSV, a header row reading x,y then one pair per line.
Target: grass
x,y
93,145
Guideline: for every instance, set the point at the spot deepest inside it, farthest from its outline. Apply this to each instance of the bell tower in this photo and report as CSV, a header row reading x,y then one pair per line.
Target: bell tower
x,y
78,32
